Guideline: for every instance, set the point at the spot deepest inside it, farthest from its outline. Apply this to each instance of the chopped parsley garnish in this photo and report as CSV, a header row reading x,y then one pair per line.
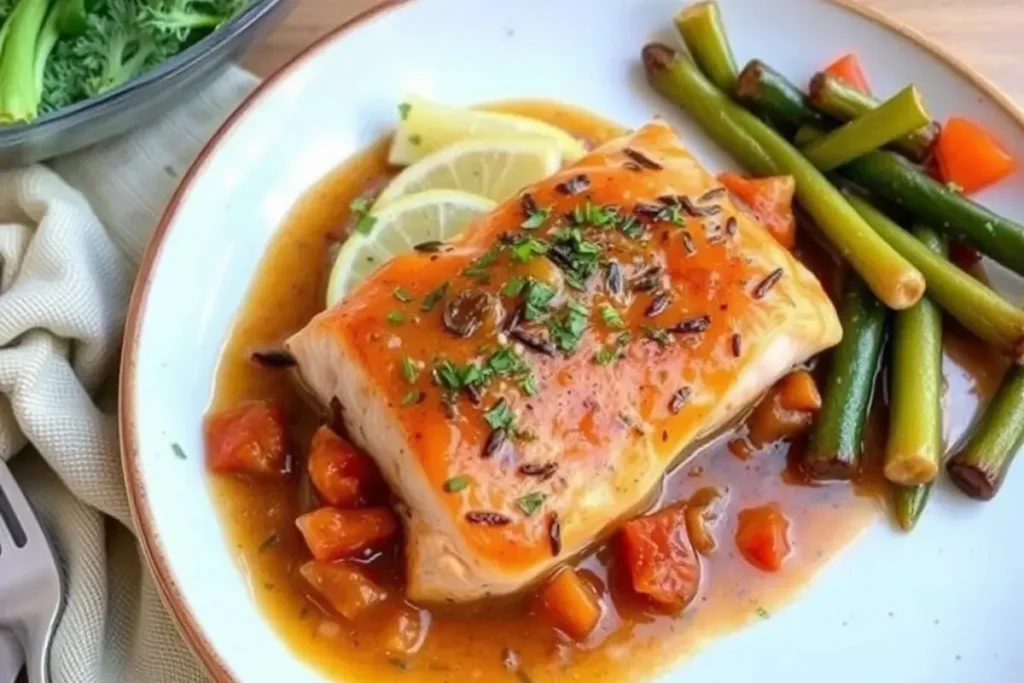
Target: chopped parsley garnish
x,y
431,299
409,370
477,270
360,207
531,502
611,317
456,484
403,110
536,219
513,287
526,248
412,396
658,334
396,318
402,295
538,296
632,228
577,257
612,352
178,452
504,363
589,213
567,329
762,612
500,416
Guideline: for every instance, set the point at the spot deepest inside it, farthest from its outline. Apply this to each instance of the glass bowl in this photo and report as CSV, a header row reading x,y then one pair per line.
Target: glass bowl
x,y
141,99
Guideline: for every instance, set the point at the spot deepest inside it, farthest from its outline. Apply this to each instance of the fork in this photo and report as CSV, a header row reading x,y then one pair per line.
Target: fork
x,y
11,659
30,582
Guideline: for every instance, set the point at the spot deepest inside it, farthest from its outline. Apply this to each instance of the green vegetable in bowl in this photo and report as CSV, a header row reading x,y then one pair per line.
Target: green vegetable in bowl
x,y
54,53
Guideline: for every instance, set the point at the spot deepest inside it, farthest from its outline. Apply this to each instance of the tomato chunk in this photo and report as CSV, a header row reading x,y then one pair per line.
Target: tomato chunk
x,y
342,476
569,604
346,589
333,534
847,69
659,557
250,439
786,410
969,157
762,536
771,202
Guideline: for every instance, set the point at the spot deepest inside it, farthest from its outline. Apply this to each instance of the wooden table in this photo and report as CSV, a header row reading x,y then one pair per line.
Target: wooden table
x,y
987,34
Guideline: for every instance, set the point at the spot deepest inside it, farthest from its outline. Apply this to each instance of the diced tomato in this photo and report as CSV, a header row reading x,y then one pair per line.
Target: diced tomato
x,y
250,439
660,559
799,391
762,536
570,604
969,157
771,202
405,629
741,448
342,476
333,534
786,410
345,588
847,69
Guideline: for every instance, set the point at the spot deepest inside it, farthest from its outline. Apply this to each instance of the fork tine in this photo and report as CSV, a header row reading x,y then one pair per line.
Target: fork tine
x,y
15,511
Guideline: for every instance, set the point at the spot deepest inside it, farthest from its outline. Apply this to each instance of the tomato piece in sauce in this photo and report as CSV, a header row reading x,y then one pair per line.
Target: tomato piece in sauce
x,y
762,536
569,604
345,588
333,534
660,559
786,410
771,202
342,476
250,440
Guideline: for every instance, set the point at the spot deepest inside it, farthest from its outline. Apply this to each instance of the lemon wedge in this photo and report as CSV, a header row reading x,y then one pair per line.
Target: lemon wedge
x,y
426,127
495,168
416,218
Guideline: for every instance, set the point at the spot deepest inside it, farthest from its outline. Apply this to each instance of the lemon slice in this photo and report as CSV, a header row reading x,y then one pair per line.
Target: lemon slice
x,y
411,220
427,127
495,168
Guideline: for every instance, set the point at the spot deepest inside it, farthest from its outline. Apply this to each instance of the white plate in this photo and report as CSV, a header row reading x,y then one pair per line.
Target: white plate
x,y
943,604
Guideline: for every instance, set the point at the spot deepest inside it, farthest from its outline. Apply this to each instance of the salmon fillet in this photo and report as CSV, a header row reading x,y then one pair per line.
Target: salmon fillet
x,y
526,385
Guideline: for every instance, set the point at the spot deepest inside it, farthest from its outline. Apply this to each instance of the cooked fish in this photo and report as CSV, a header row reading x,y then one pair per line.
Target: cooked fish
x,y
528,384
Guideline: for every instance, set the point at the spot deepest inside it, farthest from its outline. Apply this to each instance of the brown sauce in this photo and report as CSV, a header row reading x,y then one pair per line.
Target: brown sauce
x,y
479,643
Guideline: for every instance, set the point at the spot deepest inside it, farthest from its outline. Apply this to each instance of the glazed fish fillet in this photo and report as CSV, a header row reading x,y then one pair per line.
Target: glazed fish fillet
x,y
526,385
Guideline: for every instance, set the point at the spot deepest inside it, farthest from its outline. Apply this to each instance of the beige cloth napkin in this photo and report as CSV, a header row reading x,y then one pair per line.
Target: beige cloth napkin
x,y
70,241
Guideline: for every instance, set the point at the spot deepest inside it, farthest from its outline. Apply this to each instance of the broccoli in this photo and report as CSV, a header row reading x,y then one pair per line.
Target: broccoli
x,y
54,53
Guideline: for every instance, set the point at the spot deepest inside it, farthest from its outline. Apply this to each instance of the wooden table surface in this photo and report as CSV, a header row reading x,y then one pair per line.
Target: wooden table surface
x,y
986,34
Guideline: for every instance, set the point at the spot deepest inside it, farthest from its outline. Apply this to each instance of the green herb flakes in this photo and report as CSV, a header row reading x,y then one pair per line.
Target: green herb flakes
x,y
365,224
568,328
536,219
360,207
477,270
526,248
178,452
412,397
513,287
612,352
409,370
591,214
762,612
658,334
611,317
403,110
402,295
395,318
456,484
500,416
531,502
538,296
528,385
431,299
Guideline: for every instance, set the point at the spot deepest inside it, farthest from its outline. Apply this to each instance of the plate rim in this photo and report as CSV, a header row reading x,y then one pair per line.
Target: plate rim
x,y
193,634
